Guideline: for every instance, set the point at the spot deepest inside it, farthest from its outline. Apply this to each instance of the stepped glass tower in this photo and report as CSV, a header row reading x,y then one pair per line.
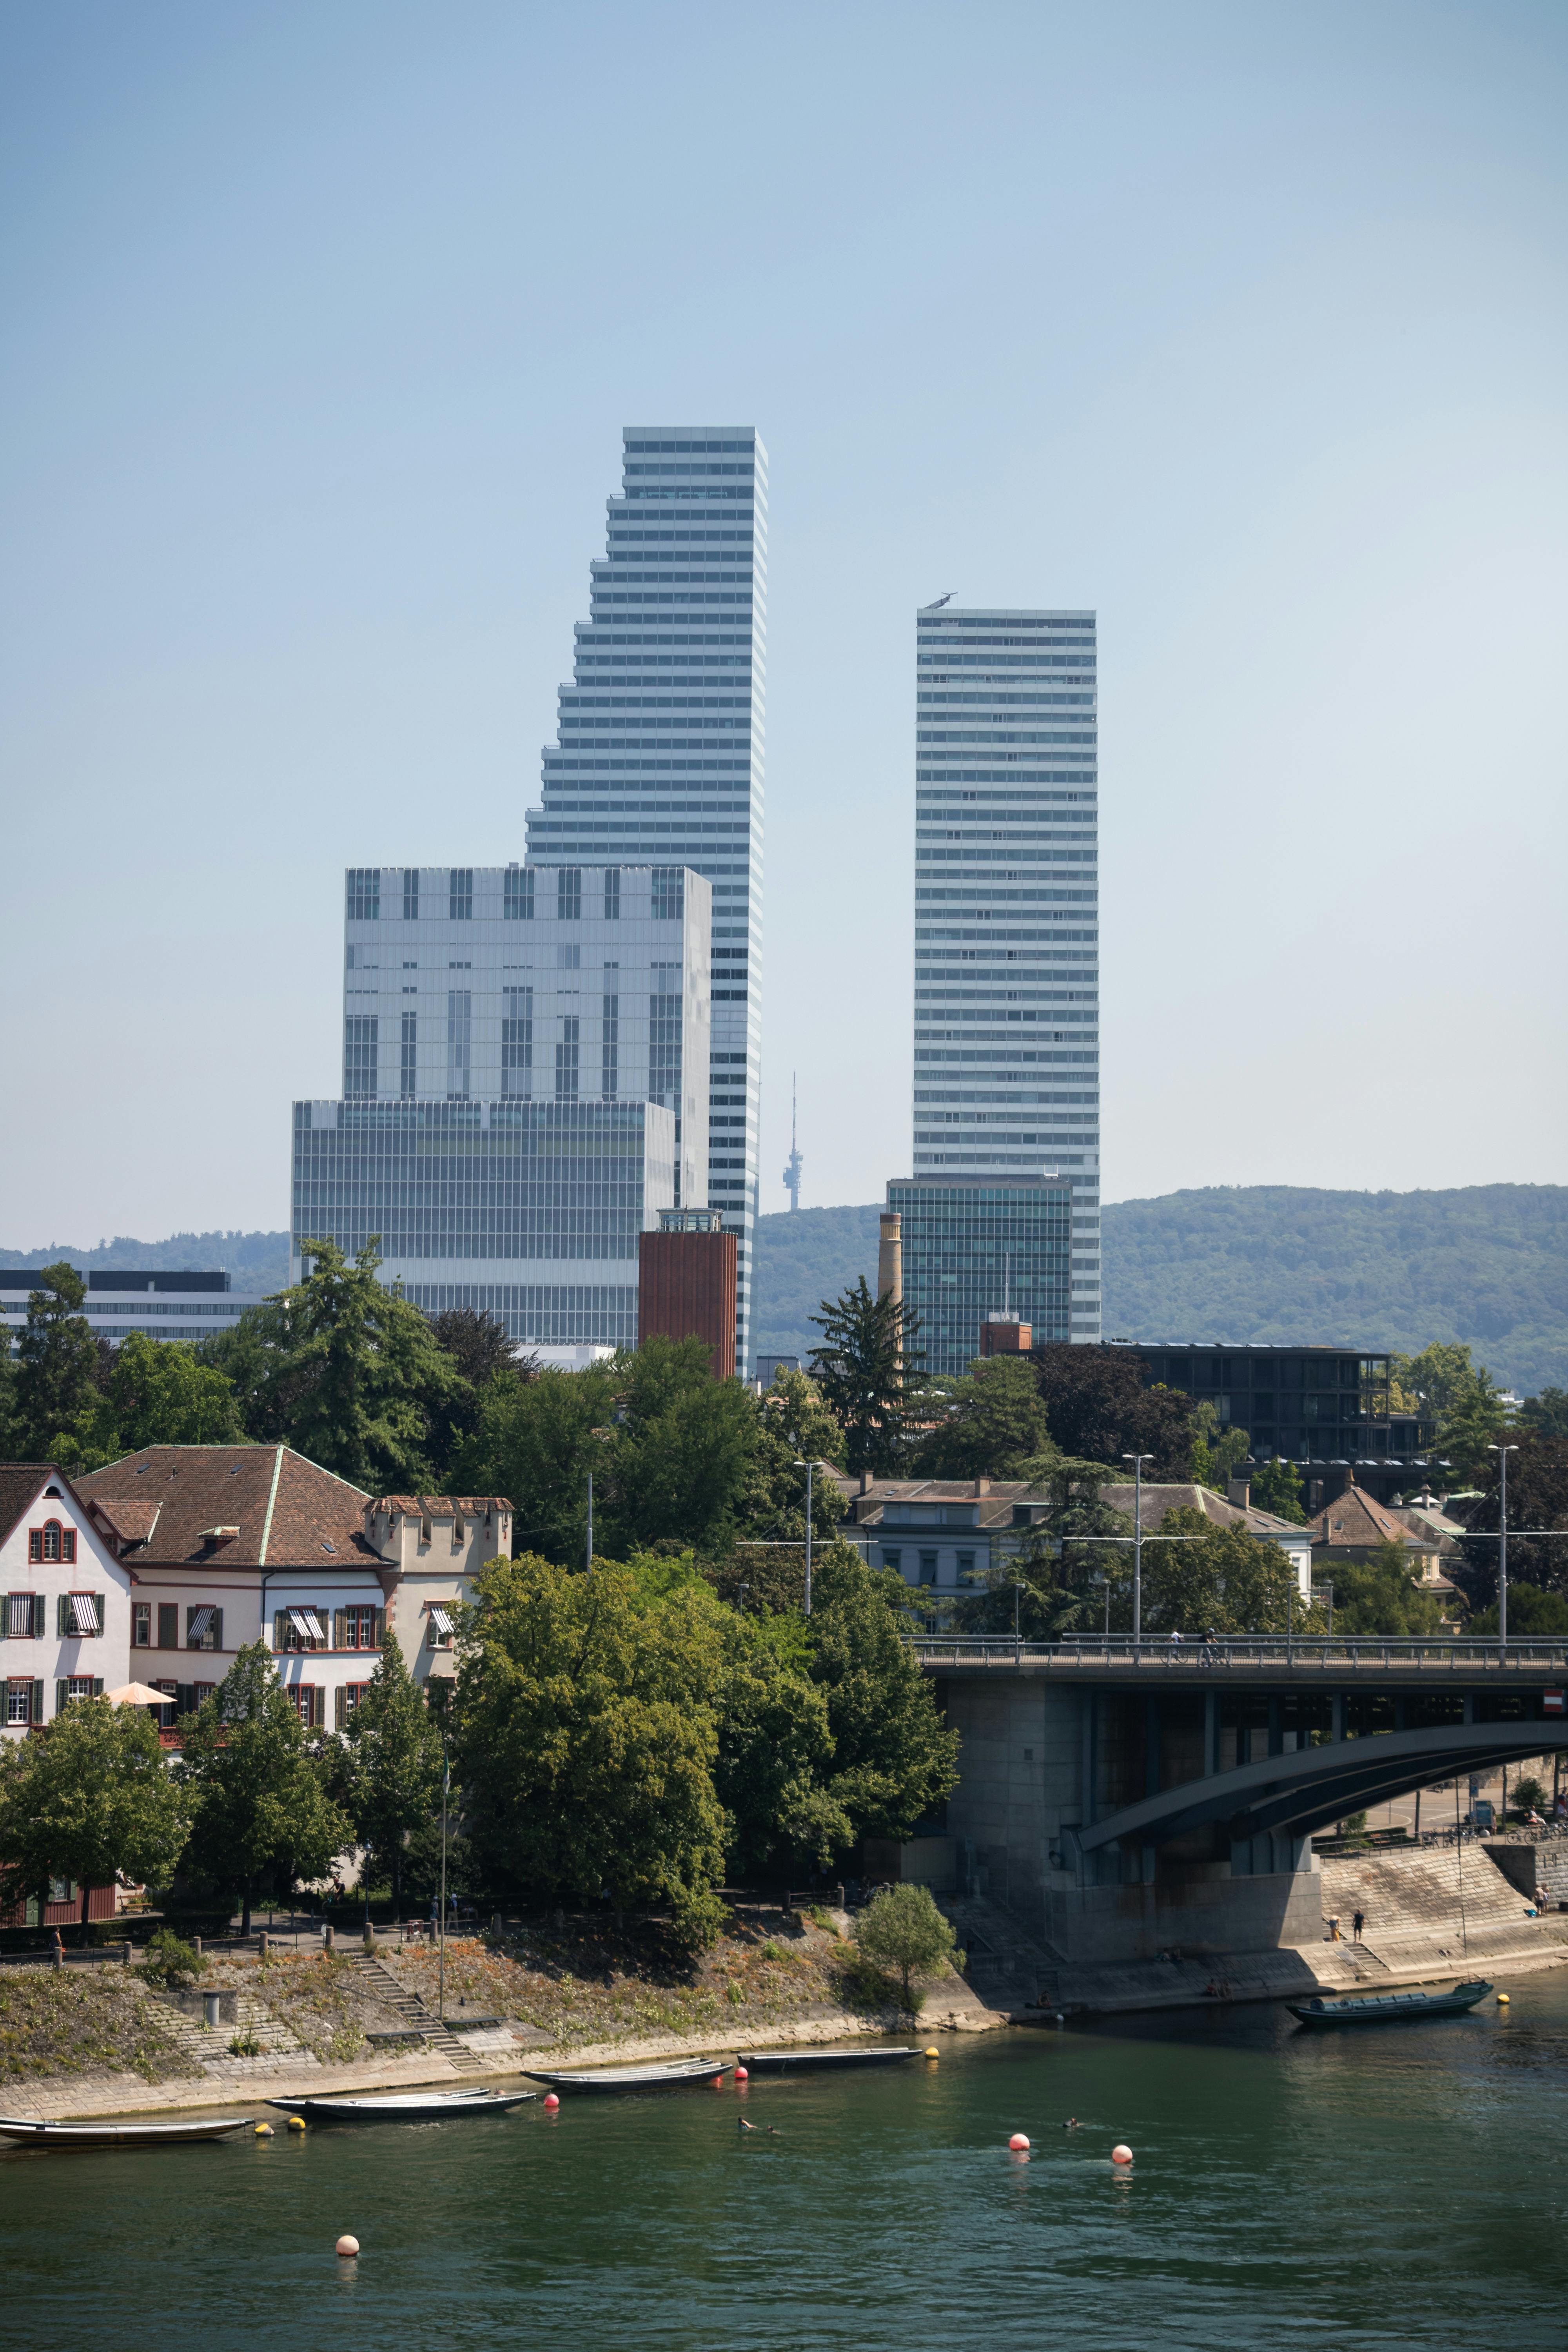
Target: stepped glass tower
x,y
1005,1198
659,756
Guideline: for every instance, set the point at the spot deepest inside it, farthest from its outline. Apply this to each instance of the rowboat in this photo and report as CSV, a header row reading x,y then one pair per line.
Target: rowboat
x,y
1377,2009
406,2106
25,2132
782,2062
634,2078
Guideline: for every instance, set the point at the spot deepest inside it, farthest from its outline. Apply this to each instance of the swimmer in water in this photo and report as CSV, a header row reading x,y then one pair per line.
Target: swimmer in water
x,y
742,2125
1071,2124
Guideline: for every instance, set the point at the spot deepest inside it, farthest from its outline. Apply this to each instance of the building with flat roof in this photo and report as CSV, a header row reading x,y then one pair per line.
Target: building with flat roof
x,y
686,1283
661,743
192,1305
968,1245
1006,1051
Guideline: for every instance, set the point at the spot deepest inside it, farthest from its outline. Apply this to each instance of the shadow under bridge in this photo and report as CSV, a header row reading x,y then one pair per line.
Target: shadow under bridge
x,y
1297,1794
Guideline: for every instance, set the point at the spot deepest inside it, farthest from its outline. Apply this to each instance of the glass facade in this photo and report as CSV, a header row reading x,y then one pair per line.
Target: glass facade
x,y
969,1248
531,1210
1308,1404
659,749
1006,924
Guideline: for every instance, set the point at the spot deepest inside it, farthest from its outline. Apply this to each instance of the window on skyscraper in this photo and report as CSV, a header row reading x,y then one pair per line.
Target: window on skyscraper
x,y
460,1004
408,1072
609,1074
612,894
461,895
566,1055
569,894
517,1042
364,894
360,1031
411,894
668,893
517,895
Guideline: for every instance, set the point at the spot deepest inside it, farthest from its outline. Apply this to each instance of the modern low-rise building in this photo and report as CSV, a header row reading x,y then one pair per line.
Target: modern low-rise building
x,y
686,1283
196,1303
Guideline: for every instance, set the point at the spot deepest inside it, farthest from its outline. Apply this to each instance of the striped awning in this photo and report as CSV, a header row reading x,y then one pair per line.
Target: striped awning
x,y
202,1623
440,1618
84,1614
307,1624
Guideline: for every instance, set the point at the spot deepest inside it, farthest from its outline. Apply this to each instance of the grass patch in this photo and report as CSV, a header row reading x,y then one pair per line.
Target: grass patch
x,y
80,2022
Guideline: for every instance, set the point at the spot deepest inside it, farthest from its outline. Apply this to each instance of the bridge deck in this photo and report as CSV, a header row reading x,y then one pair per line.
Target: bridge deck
x,y
1273,1659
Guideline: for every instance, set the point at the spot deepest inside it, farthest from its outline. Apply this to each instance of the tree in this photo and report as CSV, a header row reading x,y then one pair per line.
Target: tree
x,y
1461,1397
259,1796
993,1423
1380,1595
1537,1498
1056,1582
55,1383
481,1350
680,1452
537,1441
1277,1487
1545,1415
1218,1451
865,1369
901,1928
161,1393
392,1780
94,1800
775,1752
893,1757
1098,1408
1532,1613
794,1425
1221,1578
586,1736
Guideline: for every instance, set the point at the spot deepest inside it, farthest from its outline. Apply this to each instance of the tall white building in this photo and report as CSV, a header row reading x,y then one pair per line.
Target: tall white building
x,y
1006,1056
525,1076
660,742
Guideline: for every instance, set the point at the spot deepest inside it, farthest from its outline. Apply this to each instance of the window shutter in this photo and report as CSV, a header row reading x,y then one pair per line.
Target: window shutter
x,y
280,1627
38,1715
340,1706
40,1616
62,1616
185,1698
381,1629
62,1692
98,1682
98,1607
217,1629
338,1641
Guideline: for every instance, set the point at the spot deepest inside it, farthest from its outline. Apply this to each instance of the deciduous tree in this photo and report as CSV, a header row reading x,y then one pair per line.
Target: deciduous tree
x,y
992,1422
901,1928
1277,1487
1098,1408
258,1797
1381,1595
93,1801
391,1783
893,1757
57,1358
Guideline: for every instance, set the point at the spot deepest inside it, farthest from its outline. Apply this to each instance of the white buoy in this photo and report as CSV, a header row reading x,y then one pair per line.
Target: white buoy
x,y
1122,2153
348,2247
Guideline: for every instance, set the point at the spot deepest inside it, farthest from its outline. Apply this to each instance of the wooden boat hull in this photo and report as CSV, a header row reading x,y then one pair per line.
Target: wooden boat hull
x,y
635,2078
1385,2008
22,2133
407,2107
783,2061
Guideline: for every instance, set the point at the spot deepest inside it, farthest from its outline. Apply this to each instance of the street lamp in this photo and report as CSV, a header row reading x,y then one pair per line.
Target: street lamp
x,y
1137,1460
1502,1453
810,1468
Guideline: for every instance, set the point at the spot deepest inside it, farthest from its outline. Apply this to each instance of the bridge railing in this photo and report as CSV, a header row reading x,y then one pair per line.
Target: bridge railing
x,y
1153,1654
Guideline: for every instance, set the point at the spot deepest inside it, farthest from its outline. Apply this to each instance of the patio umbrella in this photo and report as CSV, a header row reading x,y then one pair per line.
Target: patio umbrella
x,y
137,1694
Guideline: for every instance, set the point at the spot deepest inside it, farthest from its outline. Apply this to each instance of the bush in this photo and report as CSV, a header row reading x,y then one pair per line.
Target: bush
x,y
863,1985
901,1928
1529,1797
171,1962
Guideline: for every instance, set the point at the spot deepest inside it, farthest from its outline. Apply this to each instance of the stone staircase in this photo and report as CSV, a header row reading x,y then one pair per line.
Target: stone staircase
x,y
388,1993
281,2051
1008,1967
1442,1907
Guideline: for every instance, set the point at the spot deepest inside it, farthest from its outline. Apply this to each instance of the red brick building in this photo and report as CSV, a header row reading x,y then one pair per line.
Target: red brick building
x,y
686,1283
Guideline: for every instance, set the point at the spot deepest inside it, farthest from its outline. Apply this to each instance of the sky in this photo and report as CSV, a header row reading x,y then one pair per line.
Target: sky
x,y
1243,324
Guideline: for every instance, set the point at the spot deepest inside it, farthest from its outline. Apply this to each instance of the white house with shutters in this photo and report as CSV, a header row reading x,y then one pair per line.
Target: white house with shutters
x,y
66,1629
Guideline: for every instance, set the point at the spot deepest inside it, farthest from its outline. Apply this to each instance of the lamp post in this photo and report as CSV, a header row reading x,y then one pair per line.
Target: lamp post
x,y
588,1562
1502,1453
810,1468
441,1963
1137,1460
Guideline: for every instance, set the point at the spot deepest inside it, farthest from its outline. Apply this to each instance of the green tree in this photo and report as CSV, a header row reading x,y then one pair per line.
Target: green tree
x,y
1221,1578
536,1442
865,1368
1381,1595
1462,1398
586,1738
901,1928
794,1425
259,1796
1537,1498
1277,1487
893,1757
1218,1451
775,1752
161,1393
480,1350
56,1388
391,1783
93,1801
993,1423
1532,1614
1545,1415
681,1450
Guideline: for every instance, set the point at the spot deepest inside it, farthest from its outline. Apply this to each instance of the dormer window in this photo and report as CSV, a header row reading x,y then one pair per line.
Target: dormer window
x,y
52,1542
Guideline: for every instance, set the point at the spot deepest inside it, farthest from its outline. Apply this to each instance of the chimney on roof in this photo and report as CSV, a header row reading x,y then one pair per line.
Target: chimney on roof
x,y
1239,1492
982,1486
865,1482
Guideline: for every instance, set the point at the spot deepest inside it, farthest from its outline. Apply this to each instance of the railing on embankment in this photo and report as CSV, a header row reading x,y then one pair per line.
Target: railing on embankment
x,y
1532,1662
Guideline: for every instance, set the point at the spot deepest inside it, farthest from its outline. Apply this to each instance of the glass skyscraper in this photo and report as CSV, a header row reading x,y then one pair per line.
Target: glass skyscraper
x,y
1006,1054
660,757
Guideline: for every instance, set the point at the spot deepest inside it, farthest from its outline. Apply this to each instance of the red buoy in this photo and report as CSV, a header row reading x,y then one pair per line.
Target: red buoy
x,y
551,2103
742,2075
1018,2143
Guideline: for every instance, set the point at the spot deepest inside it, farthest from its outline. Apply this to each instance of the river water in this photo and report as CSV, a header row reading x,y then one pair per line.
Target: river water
x,y
1403,2186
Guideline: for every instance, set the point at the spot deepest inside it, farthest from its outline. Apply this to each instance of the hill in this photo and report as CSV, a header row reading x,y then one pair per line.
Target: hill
x,y
253,1261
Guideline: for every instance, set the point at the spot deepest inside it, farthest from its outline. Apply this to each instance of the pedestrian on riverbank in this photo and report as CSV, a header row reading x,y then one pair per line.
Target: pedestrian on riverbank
x,y
1358,1921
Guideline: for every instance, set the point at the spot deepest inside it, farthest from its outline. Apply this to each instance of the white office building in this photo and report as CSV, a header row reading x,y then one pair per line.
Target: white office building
x,y
525,1068
192,1303
1006,1053
659,753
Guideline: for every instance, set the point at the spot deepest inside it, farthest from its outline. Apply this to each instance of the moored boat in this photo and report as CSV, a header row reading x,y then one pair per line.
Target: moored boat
x,y
405,2106
652,2077
1380,2009
31,2132
783,2062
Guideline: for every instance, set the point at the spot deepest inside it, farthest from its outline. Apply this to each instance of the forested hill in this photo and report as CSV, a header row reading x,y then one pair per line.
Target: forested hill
x,y
1487,1264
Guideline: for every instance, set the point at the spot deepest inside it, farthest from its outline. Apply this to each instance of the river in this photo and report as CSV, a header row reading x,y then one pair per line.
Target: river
x,y
1403,2186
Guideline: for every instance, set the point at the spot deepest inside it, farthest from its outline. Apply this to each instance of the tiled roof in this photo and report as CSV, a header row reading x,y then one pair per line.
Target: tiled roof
x,y
1162,1496
19,1482
996,1505
132,1522
1354,1519
441,1506
289,1511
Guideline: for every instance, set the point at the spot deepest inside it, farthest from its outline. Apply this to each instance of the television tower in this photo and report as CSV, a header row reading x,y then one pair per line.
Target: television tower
x,y
792,1166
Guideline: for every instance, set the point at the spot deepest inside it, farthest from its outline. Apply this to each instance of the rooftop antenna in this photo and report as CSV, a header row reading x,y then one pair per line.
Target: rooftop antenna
x,y
791,1167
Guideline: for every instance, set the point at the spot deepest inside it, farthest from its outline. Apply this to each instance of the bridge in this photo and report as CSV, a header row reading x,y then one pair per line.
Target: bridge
x,y
1095,1765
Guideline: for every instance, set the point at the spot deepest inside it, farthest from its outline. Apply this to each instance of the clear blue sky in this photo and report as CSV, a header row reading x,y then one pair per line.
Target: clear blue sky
x,y
1243,323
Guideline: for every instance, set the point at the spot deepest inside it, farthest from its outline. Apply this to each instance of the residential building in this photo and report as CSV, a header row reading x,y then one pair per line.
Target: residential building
x,y
227,1545
66,1632
686,1283
1235,1509
660,740
966,1245
188,1305
1006,1085
1355,1526
1324,1408
540,1097
950,1533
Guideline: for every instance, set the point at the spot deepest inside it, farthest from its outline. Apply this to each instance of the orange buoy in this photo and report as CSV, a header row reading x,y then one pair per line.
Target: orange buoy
x,y
551,2103
1018,2143
742,2075
348,2246
1122,2153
